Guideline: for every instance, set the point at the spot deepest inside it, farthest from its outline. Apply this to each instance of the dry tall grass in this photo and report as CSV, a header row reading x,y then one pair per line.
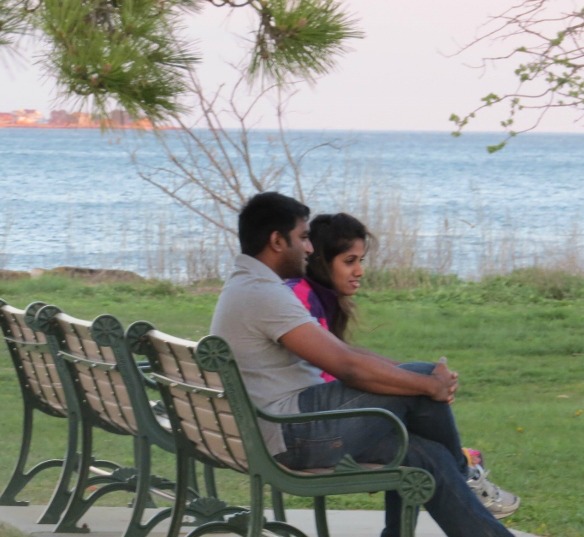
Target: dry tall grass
x,y
408,249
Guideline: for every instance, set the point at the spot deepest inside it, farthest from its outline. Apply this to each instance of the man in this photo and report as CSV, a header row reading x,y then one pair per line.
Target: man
x,y
281,352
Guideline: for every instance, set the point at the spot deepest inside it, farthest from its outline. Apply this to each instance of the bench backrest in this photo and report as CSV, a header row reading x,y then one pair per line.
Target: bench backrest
x,y
36,369
110,387
201,414
91,355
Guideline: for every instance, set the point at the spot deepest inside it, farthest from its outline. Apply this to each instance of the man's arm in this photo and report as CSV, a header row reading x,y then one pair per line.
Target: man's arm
x,y
366,371
371,353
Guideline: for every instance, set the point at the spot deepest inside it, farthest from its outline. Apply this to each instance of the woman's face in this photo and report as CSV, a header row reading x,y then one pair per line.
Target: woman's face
x,y
347,269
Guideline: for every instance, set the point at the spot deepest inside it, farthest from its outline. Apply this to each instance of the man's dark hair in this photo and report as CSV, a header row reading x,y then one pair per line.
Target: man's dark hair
x,y
265,213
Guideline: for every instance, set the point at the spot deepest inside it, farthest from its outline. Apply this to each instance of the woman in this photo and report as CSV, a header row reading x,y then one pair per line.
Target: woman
x,y
333,277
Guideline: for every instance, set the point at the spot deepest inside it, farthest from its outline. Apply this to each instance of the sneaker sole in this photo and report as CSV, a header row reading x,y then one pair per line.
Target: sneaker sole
x,y
499,516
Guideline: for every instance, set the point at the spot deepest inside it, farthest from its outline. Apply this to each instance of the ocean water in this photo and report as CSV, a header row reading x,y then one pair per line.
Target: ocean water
x,y
75,197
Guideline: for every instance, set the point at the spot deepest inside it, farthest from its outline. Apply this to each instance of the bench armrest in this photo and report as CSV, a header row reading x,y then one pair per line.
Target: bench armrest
x,y
344,414
144,368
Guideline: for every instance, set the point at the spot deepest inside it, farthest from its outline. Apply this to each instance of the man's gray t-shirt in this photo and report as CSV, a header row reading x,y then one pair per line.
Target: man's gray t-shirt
x,y
254,310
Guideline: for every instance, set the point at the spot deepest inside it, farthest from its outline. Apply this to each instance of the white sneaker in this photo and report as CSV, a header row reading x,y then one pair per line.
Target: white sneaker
x,y
499,502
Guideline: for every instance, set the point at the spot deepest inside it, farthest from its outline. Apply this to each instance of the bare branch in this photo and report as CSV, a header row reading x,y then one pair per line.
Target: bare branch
x,y
212,170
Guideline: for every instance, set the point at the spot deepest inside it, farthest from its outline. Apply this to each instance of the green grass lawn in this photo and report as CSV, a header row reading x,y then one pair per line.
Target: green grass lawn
x,y
516,343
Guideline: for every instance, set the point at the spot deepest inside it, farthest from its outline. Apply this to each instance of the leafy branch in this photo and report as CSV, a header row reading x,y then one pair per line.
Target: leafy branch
x,y
548,65
300,38
13,21
126,51
130,53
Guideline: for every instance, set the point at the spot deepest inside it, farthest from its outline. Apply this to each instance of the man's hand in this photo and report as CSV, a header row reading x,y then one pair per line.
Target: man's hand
x,y
447,382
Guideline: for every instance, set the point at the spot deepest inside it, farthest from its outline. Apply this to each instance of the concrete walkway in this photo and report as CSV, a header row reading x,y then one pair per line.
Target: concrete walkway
x,y
111,521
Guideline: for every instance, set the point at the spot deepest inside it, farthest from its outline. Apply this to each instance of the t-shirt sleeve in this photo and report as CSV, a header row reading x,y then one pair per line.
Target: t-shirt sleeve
x,y
280,311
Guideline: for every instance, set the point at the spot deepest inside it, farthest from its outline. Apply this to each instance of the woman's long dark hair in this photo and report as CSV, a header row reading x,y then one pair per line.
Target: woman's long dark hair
x,y
331,235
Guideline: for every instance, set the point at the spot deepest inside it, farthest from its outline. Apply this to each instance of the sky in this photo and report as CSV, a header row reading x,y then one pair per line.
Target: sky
x,y
401,76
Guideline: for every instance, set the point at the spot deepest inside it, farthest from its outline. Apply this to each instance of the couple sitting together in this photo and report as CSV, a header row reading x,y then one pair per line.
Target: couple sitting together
x,y
285,311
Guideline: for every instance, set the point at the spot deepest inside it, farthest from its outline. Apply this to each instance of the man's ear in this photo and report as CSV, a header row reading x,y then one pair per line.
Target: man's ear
x,y
277,241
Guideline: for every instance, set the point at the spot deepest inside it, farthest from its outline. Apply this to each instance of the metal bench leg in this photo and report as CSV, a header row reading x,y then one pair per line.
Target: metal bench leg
x,y
278,505
320,516
209,477
20,478
181,491
62,493
142,499
409,517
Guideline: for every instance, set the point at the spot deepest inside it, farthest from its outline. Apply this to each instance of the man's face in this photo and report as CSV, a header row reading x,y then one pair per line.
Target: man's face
x,y
295,255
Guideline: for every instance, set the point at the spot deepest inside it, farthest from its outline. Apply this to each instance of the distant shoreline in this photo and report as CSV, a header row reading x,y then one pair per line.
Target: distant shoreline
x,y
29,118
85,127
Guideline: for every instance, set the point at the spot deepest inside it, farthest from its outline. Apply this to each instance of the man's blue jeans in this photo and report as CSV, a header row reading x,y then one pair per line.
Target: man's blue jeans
x,y
434,445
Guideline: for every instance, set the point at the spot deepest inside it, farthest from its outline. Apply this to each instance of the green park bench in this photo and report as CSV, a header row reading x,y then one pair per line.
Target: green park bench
x,y
111,392
102,384
42,391
213,419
